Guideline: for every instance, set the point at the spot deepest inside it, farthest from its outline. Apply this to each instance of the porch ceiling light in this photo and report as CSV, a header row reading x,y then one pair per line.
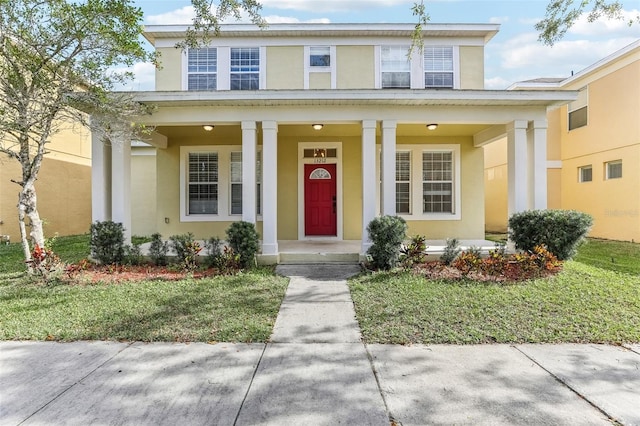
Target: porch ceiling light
x,y
432,126
317,126
208,127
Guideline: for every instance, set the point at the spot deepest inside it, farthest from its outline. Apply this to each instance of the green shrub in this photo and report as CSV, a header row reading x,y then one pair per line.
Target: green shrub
x,y
245,241
107,242
214,252
560,231
187,249
451,251
158,250
413,253
133,254
387,234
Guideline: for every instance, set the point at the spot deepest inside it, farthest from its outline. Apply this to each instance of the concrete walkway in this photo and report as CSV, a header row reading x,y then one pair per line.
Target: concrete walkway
x,y
316,371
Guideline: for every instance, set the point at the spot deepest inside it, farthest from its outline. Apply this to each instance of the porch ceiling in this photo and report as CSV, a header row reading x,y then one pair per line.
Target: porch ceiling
x,y
228,131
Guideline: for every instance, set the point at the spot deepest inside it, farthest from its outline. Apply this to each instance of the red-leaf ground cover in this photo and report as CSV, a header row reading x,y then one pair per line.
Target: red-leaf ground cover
x,y
86,273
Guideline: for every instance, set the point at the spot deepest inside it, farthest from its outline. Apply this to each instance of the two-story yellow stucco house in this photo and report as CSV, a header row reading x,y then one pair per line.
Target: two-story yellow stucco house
x,y
593,152
312,130
63,186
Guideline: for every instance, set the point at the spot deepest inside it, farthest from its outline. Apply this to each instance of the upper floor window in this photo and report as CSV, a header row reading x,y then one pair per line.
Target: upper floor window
x,y
578,110
319,56
395,67
245,68
438,67
202,69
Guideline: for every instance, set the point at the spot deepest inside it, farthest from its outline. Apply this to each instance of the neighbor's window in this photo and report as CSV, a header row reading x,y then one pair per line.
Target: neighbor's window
x,y
202,69
578,110
585,173
245,68
203,183
437,182
614,169
438,67
320,56
395,67
403,182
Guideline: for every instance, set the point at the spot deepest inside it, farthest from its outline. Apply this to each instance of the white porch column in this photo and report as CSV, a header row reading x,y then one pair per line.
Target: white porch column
x,y
121,186
249,171
388,168
269,187
100,179
517,166
537,150
368,179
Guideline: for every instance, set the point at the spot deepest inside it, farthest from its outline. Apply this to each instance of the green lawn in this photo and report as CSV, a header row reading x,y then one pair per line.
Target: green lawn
x,y
241,308
585,303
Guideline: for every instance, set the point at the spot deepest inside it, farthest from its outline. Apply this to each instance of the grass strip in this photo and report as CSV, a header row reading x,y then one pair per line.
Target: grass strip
x,y
582,304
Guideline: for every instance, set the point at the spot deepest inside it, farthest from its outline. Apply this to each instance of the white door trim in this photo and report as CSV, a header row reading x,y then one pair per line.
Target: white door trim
x,y
338,162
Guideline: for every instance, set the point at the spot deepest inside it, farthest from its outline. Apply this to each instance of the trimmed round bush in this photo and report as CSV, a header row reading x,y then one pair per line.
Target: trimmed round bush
x,y
387,234
560,231
107,242
244,240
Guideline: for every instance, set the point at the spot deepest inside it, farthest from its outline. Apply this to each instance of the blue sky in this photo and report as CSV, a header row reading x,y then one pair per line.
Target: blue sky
x,y
513,55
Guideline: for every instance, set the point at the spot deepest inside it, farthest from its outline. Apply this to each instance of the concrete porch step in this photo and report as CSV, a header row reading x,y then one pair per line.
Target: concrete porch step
x,y
289,258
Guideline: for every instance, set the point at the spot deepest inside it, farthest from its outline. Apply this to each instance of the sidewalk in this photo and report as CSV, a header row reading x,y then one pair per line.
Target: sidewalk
x,y
316,371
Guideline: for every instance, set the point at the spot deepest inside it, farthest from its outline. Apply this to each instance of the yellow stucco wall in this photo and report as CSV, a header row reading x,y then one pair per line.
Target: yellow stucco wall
x,y
471,67
285,67
169,75
355,68
319,80
143,191
612,133
64,197
63,186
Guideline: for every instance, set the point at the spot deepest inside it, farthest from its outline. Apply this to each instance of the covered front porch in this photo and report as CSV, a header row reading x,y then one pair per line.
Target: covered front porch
x,y
261,149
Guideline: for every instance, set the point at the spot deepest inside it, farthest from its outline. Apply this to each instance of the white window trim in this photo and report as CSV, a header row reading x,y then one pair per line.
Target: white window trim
x,y
580,169
238,149
606,169
417,65
224,67
308,69
328,160
185,67
416,181
456,65
224,186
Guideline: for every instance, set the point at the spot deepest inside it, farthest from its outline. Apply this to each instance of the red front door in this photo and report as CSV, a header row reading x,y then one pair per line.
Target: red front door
x,y
320,199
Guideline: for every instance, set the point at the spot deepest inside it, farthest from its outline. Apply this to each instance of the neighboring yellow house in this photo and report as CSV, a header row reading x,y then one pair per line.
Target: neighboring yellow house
x,y
312,130
593,152
63,186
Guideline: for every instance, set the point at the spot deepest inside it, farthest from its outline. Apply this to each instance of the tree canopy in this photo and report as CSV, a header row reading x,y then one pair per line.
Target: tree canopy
x,y
49,51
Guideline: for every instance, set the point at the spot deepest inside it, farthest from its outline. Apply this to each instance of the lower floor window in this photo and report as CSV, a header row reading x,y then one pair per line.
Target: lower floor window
x,y
437,182
203,183
585,173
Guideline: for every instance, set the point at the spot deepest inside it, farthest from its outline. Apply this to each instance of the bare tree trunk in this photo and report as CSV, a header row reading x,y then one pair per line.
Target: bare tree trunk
x,y
27,207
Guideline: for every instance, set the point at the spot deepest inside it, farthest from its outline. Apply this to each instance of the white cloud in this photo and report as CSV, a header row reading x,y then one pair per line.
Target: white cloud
x,y
523,57
183,16
276,19
331,5
609,27
498,19
496,83
144,77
